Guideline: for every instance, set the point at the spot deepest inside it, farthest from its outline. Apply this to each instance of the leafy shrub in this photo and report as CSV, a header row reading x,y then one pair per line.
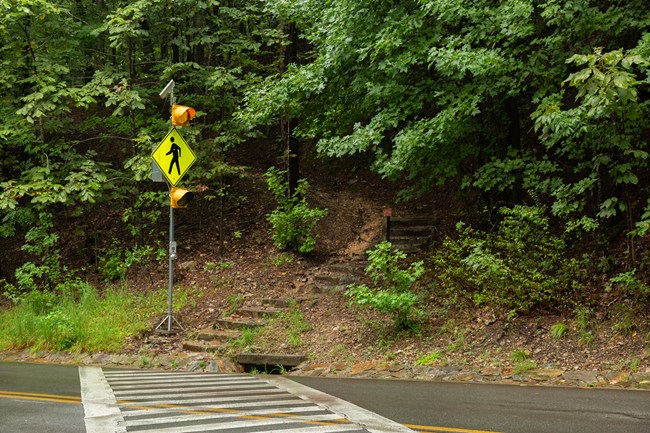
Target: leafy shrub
x,y
585,322
46,270
517,267
629,283
59,329
115,263
146,212
623,318
112,265
293,220
392,286
39,303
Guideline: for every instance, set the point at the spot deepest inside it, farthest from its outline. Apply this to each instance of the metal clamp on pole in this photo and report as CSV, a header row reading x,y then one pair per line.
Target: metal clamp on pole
x,y
172,250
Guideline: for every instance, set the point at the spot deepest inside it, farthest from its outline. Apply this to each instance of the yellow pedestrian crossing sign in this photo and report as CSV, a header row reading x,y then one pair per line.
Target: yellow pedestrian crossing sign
x,y
174,156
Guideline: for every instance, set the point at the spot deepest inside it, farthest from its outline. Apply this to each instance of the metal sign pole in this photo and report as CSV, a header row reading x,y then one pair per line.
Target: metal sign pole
x,y
170,319
169,89
172,257
172,243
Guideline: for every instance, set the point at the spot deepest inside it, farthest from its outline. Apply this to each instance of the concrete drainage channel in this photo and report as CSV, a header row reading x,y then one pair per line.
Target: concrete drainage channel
x,y
269,363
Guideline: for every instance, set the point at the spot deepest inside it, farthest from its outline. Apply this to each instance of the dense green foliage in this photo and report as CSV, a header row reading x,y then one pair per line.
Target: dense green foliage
x,y
46,269
504,97
518,102
517,267
507,97
80,112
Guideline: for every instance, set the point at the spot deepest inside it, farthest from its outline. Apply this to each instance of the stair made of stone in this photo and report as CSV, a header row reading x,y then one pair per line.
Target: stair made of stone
x,y
224,330
253,314
211,340
336,277
410,234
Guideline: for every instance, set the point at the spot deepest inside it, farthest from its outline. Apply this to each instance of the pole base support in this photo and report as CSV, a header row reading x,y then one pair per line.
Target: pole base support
x,y
169,320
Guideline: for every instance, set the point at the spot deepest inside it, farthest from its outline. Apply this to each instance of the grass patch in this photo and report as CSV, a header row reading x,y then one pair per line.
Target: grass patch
x,y
428,359
234,301
586,324
282,259
75,318
558,330
283,331
246,342
519,355
524,366
291,324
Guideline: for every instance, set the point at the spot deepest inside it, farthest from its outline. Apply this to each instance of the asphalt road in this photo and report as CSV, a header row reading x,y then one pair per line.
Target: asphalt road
x,y
471,408
40,398
45,398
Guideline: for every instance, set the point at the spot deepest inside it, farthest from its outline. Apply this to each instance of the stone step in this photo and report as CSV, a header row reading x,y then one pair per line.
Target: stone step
x,y
259,312
409,234
331,288
205,346
336,279
222,335
409,241
411,231
239,323
413,221
402,237
408,247
275,302
283,303
353,268
338,276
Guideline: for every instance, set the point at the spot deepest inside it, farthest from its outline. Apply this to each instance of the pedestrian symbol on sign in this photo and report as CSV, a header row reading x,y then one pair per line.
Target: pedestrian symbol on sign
x,y
176,153
174,157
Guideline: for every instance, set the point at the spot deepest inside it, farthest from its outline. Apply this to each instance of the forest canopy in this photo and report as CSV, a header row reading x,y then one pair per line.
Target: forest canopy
x,y
510,98
515,101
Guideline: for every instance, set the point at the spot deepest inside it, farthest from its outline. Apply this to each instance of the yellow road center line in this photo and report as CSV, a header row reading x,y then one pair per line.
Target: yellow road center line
x,y
428,428
208,411
40,397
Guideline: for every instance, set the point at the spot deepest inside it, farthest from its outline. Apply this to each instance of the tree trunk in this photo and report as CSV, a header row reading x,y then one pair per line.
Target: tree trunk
x,y
514,138
291,143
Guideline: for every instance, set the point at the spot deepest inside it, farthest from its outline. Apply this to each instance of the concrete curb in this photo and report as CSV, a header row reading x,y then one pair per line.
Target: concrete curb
x,y
373,370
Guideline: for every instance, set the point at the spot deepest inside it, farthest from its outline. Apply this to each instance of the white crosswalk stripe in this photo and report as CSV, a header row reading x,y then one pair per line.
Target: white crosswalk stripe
x,y
191,403
185,395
